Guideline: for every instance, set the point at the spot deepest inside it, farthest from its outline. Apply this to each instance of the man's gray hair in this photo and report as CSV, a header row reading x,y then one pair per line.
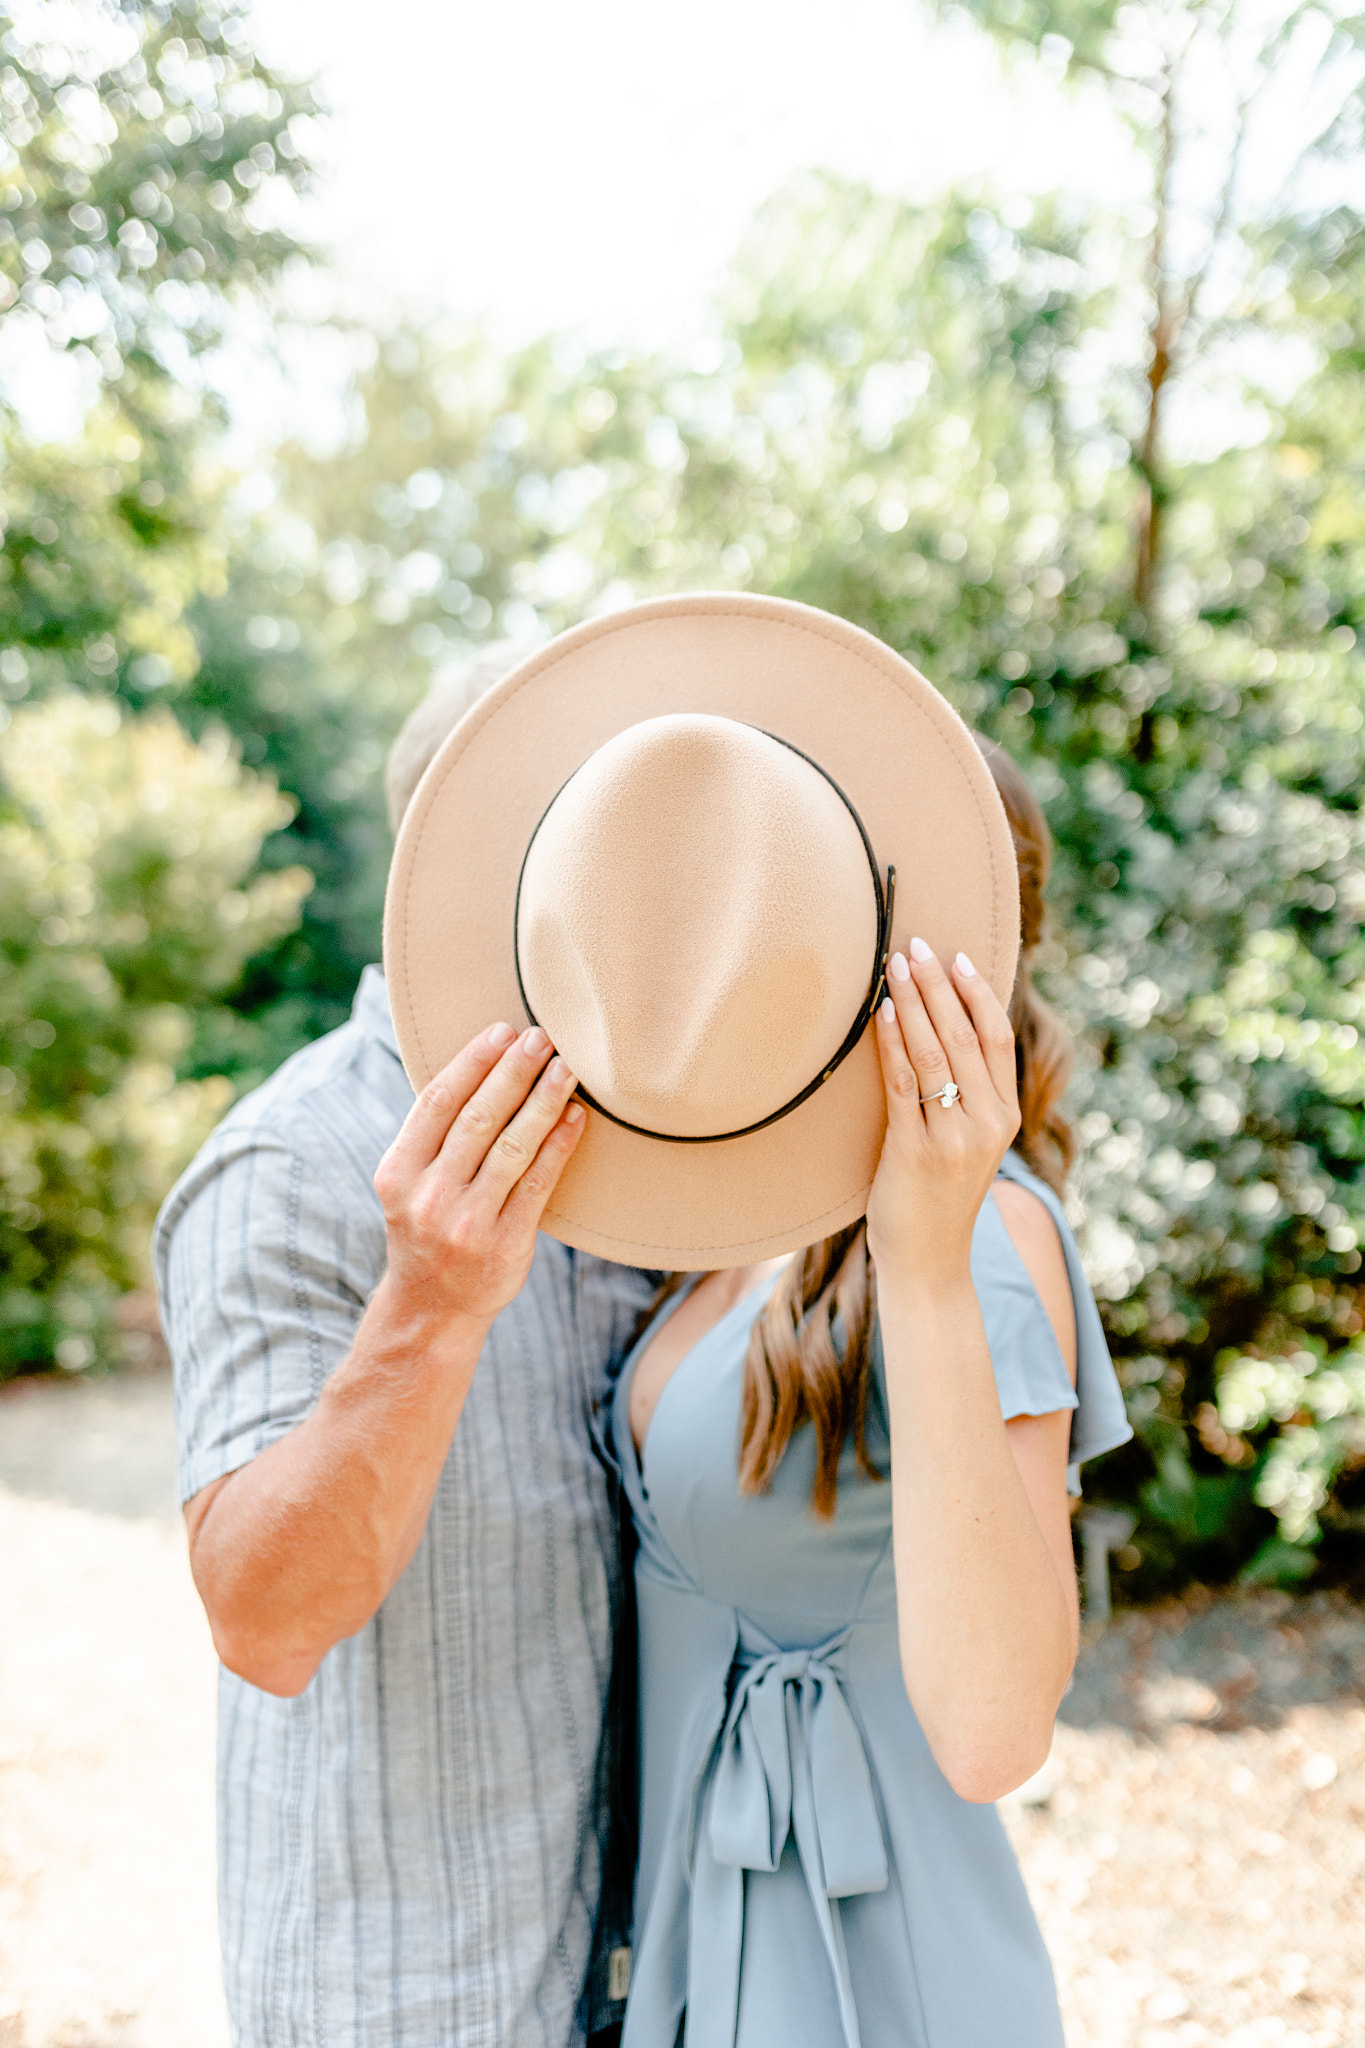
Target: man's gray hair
x,y
453,692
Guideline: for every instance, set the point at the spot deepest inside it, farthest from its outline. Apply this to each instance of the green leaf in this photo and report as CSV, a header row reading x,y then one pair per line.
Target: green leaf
x,y
1278,1563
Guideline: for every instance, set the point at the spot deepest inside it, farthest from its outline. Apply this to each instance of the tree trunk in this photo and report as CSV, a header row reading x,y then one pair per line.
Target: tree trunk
x,y
1147,455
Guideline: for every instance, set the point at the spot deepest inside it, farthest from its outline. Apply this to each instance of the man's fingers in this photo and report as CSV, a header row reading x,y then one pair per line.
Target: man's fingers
x,y
525,1205
493,1105
993,1028
440,1102
518,1143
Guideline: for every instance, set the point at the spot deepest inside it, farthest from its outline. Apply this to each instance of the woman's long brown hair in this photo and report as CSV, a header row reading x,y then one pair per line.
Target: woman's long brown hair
x,y
794,1371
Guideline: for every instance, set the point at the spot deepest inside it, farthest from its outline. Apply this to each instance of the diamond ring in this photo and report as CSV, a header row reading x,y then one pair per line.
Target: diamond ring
x,y
948,1094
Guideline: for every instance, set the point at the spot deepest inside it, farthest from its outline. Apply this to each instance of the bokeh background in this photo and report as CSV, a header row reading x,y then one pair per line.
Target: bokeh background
x,y
336,344
279,443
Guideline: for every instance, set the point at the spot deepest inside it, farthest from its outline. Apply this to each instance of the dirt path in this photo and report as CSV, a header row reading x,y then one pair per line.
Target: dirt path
x,y
107,1682
1195,1848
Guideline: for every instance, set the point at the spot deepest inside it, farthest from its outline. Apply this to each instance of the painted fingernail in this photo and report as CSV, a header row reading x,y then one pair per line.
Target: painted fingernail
x,y
557,1073
535,1042
500,1035
900,966
888,1012
574,1113
964,966
919,951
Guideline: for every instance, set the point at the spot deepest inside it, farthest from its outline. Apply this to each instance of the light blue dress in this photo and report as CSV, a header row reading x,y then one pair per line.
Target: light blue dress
x,y
807,1876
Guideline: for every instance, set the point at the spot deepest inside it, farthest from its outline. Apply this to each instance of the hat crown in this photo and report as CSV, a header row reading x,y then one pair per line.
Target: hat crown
x,y
697,924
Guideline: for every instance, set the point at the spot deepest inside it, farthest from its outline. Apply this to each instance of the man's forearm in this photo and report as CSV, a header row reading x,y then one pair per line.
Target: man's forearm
x,y
296,1550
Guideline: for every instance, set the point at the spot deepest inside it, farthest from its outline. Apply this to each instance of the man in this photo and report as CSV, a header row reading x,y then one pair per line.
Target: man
x,y
402,1523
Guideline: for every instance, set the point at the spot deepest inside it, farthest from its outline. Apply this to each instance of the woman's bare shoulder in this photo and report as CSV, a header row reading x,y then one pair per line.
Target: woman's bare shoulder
x,y
1028,1219
1038,1242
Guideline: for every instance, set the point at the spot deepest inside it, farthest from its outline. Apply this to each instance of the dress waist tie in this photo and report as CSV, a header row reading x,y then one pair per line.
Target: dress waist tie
x,y
789,1758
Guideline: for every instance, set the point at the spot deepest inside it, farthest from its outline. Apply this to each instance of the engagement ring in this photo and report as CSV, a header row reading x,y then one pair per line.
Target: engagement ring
x,y
947,1095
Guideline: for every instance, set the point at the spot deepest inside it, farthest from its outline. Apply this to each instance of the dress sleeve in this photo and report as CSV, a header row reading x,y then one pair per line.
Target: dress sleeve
x,y
1029,1371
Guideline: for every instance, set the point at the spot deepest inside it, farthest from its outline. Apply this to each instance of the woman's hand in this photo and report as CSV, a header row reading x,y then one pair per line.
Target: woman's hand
x,y
938,1160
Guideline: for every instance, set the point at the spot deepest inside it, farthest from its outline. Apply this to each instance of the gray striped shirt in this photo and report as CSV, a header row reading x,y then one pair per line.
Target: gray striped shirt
x,y
411,1854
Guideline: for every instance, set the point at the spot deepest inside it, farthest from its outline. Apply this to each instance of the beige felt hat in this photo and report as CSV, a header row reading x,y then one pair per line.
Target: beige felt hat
x,y
684,838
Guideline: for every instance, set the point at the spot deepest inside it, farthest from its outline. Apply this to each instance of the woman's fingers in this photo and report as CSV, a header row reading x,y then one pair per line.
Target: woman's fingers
x,y
938,1162
510,1155
928,1057
993,1029
898,1076
953,1028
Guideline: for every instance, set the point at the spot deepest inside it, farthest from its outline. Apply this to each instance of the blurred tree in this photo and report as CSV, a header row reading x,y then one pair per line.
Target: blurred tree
x,y
147,160
127,905
1235,401
144,157
316,712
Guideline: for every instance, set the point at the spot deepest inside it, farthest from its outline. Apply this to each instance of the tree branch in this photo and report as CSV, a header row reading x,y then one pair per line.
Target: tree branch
x,y
1147,456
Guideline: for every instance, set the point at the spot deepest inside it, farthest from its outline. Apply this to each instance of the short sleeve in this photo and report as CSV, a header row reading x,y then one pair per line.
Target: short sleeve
x,y
266,1254
1030,1373
1029,1370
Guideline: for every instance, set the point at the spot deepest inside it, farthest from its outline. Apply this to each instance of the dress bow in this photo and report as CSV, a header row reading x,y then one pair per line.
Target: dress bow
x,y
789,1759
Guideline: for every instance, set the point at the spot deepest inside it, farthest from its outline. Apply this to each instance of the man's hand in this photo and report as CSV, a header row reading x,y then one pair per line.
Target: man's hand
x,y
465,1183
296,1550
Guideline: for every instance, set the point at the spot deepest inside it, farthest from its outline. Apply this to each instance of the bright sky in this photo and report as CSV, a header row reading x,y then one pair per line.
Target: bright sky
x,y
542,165
593,165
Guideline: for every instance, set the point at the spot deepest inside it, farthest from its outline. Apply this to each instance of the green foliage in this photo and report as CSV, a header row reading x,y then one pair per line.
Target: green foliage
x,y
1099,476
1238,896
133,153
317,715
140,170
146,158
127,904
924,419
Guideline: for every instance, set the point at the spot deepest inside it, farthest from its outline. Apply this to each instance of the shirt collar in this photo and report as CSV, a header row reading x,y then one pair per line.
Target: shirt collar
x,y
371,1012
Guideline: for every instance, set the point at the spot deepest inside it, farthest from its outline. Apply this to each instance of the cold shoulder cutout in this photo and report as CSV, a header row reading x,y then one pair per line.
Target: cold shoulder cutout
x,y
1029,1369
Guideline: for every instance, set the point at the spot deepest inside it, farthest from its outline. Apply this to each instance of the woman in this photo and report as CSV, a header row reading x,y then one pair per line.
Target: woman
x,y
826,1453
706,832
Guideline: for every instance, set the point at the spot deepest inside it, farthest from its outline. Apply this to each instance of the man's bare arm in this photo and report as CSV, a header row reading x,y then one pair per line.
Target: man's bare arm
x,y
296,1550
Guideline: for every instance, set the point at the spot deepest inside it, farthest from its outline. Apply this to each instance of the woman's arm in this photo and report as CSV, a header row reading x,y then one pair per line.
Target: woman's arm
x,y
1042,1443
985,1586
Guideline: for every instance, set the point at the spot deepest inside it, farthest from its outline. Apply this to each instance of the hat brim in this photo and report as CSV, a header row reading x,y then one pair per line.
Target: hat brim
x,y
889,740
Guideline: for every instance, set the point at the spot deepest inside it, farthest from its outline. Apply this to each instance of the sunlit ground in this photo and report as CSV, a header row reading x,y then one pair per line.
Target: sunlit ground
x,y
107,1690
1195,1848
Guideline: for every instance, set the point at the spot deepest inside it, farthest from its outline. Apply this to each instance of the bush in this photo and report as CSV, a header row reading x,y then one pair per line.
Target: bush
x,y
125,907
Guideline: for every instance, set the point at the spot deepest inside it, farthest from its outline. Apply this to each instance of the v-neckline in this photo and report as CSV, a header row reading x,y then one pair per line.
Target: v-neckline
x,y
684,1294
